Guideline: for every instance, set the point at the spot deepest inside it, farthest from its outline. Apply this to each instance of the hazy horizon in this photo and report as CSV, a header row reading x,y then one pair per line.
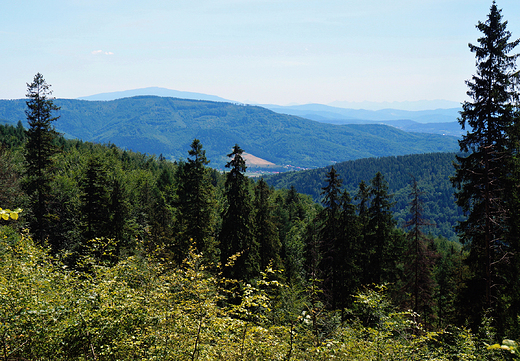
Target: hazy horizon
x,y
159,91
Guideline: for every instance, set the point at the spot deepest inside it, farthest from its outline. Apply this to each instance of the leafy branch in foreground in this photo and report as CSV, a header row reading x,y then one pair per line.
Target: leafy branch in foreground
x,y
7,214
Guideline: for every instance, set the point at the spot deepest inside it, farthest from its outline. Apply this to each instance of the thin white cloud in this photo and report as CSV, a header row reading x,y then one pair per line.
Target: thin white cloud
x,y
96,52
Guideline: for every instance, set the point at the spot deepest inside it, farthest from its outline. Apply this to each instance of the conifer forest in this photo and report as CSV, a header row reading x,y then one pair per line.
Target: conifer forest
x,y
111,254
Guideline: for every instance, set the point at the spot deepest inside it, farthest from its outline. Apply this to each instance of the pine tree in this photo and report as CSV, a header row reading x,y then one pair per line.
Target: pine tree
x,y
236,234
39,151
481,175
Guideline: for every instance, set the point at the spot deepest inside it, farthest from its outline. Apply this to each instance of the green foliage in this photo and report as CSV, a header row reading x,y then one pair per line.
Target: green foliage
x,y
138,309
11,193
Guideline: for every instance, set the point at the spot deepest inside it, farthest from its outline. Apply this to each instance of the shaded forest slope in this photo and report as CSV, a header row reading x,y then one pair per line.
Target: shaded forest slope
x,y
432,172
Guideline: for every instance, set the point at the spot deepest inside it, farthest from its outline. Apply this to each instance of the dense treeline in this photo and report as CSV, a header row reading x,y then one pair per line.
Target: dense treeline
x,y
432,172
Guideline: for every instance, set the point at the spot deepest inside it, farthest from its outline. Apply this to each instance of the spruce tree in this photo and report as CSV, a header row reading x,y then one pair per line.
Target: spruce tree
x,y
95,199
380,232
420,259
196,203
236,233
39,151
157,215
348,254
118,209
266,233
330,237
482,172
363,201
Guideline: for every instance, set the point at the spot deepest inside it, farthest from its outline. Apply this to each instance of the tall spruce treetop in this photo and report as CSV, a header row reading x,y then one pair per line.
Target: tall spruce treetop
x,y
482,174
332,191
40,147
39,152
490,113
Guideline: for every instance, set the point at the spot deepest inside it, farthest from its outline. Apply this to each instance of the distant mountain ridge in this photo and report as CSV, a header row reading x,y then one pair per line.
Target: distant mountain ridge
x,y
403,118
418,105
437,121
167,126
156,91
320,112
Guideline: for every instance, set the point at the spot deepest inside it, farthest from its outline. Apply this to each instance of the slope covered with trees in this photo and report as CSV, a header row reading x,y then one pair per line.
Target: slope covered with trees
x,y
167,126
431,171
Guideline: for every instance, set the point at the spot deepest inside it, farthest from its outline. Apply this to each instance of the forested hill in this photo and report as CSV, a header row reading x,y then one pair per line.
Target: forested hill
x,y
432,172
167,126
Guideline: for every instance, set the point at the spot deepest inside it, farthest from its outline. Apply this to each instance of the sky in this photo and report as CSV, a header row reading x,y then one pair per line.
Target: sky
x,y
252,51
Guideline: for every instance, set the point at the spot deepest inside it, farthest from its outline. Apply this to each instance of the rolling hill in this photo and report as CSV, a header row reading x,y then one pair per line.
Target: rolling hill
x,y
432,172
167,126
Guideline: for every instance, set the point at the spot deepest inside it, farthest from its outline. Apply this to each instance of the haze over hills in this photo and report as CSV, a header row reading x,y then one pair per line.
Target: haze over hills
x,y
320,112
406,105
167,126
157,91
417,116
366,105
436,121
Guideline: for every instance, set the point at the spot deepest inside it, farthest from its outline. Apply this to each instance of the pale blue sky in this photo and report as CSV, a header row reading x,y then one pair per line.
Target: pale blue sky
x,y
262,51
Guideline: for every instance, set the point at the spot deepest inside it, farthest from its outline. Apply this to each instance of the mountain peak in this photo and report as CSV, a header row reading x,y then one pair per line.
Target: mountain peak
x,y
157,91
